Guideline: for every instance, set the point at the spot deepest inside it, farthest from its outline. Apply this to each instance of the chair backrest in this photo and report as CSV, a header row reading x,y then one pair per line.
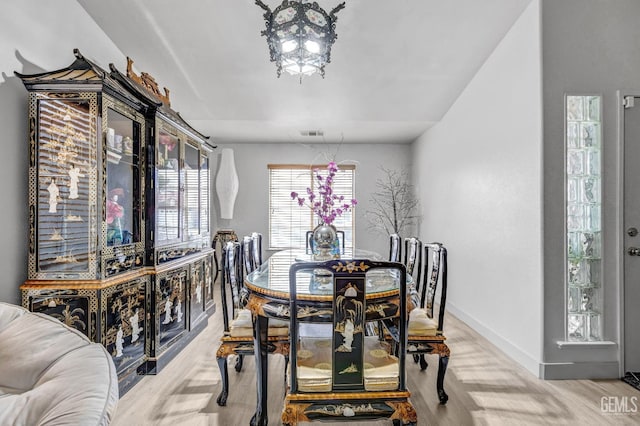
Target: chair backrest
x,y
232,296
247,254
435,270
309,241
413,258
347,314
395,249
256,249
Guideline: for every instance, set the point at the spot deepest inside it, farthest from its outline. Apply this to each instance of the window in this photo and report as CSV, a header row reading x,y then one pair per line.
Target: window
x,y
288,222
584,205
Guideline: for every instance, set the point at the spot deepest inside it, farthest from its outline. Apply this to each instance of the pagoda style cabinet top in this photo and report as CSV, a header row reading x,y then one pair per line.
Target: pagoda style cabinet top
x,y
119,238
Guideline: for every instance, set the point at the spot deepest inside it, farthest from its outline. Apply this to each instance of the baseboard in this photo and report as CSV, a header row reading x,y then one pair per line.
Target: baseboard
x,y
579,370
512,351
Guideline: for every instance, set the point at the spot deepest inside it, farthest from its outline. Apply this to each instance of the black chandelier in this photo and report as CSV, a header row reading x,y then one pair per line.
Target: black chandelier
x,y
300,36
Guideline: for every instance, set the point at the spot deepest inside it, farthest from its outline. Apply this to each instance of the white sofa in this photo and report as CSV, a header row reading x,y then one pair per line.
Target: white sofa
x,y
51,374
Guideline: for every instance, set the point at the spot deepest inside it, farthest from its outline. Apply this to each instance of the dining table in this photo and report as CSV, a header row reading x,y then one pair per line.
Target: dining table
x,y
269,298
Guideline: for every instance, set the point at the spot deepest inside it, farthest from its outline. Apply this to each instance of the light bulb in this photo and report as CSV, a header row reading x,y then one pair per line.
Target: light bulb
x,y
289,45
312,46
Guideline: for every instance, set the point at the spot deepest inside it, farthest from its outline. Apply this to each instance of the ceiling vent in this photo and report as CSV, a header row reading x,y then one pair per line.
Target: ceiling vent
x,y
312,132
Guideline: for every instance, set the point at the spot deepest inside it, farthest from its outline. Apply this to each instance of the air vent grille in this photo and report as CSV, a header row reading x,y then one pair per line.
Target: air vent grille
x,y
312,132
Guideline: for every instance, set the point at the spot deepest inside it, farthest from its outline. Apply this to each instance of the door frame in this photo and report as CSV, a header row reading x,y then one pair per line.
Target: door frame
x,y
620,252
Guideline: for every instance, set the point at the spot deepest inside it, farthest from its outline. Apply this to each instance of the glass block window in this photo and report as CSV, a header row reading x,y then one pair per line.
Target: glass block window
x,y
583,215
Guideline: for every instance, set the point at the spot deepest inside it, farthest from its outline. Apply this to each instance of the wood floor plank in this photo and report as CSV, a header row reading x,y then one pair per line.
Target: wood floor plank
x,y
485,387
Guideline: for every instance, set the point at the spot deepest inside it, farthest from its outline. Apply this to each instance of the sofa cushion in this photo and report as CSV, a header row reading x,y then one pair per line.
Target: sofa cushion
x,y
51,374
8,313
75,390
29,345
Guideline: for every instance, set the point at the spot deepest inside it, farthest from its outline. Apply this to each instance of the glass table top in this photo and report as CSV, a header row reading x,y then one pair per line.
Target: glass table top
x,y
272,278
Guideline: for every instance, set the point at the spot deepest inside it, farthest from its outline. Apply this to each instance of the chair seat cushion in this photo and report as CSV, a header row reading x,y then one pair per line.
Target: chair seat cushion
x,y
242,325
420,324
314,365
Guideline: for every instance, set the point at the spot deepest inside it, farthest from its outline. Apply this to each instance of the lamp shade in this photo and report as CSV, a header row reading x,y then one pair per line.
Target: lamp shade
x,y
227,183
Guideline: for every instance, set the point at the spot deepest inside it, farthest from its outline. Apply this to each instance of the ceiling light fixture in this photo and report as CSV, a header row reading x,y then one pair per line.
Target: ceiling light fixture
x,y
300,36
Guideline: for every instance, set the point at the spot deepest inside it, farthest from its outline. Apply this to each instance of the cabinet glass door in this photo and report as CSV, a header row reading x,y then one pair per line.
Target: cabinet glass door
x,y
168,195
191,190
66,161
122,174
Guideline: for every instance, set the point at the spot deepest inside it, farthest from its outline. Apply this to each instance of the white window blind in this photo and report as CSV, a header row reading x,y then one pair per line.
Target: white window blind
x,y
288,222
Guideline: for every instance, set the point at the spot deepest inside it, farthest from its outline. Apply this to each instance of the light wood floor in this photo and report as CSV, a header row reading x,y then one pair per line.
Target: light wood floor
x,y
485,387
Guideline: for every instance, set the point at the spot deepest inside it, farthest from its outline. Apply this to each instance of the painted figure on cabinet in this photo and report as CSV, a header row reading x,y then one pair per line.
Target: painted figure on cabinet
x,y
119,342
74,177
178,311
167,311
53,196
135,326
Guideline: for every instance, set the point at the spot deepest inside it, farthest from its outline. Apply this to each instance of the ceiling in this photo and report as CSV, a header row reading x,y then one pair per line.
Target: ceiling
x,y
397,65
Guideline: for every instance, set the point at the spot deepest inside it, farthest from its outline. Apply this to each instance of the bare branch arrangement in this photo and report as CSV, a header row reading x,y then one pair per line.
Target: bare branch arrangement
x,y
394,204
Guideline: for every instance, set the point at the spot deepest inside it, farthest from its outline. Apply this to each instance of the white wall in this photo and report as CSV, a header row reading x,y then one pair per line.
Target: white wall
x,y
35,36
589,47
251,207
479,178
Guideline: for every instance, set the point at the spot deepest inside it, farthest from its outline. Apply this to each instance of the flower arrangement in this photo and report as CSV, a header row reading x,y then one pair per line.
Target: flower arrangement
x,y
326,204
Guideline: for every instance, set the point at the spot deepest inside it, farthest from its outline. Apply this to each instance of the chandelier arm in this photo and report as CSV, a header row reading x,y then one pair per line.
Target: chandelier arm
x,y
335,10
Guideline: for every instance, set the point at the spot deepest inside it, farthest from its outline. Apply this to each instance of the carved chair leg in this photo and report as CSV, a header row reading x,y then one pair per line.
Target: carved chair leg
x,y
224,374
423,362
442,369
239,362
258,420
289,415
404,413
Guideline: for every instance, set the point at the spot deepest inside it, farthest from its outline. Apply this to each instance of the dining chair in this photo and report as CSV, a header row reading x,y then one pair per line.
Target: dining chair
x,y
413,262
246,247
395,248
343,374
237,337
248,261
256,249
425,332
413,258
309,241
426,335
